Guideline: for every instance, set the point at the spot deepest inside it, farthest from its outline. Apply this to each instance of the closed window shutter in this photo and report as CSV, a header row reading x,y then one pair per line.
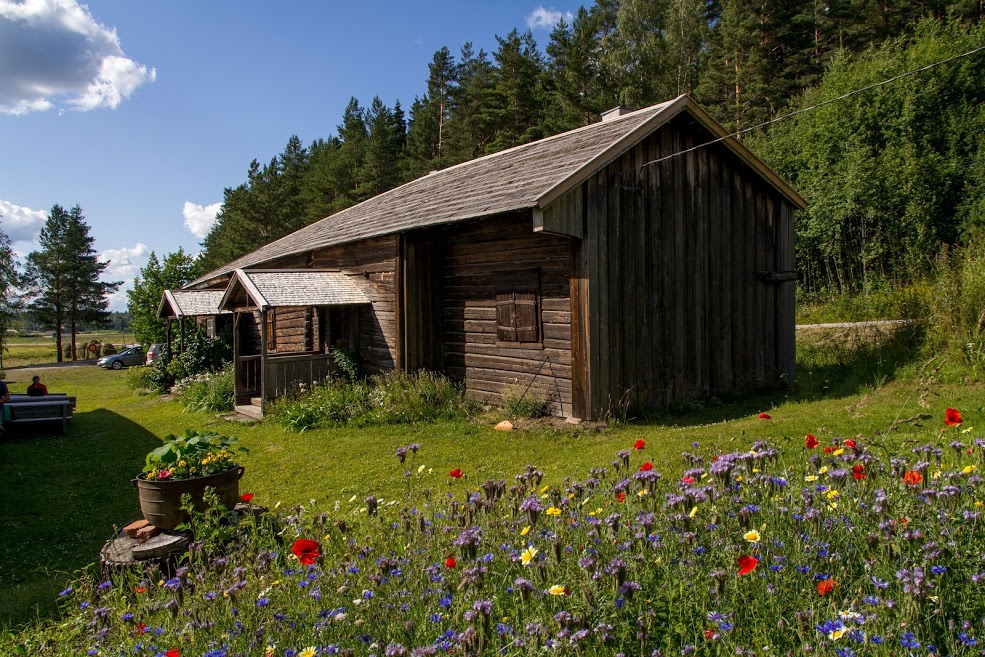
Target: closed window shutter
x,y
271,330
525,314
506,317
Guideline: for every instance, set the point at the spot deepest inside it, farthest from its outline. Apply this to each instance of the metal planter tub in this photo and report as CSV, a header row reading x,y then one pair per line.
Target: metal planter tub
x,y
160,501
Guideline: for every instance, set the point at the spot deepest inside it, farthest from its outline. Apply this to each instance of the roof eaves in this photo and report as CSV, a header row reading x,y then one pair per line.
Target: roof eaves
x,y
240,277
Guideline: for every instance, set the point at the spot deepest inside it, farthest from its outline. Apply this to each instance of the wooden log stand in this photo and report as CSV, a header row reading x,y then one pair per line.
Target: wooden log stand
x,y
162,548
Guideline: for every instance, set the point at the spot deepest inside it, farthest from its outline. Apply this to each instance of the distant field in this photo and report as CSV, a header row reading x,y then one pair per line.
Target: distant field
x,y
37,349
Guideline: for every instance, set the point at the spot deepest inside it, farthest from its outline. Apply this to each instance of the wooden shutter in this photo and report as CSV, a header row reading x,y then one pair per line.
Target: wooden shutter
x,y
506,317
271,330
517,306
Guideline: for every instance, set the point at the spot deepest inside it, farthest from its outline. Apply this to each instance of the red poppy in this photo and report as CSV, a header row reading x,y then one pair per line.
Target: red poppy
x,y
851,443
952,417
639,444
810,442
306,550
456,473
828,450
172,653
709,634
140,589
747,564
450,562
646,467
826,586
688,480
858,471
246,497
764,416
621,496
912,477
141,629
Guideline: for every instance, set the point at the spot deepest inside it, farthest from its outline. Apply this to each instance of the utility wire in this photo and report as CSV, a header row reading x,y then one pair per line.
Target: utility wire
x,y
812,107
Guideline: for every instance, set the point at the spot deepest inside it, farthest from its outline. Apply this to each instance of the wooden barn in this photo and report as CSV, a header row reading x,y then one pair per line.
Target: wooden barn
x,y
613,265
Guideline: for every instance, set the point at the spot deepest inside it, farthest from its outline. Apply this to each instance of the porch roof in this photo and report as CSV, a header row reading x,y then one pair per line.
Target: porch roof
x,y
189,303
275,288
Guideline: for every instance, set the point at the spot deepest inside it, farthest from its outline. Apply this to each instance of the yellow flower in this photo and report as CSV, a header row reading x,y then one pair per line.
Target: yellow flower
x,y
553,511
752,536
557,589
979,503
834,635
694,512
525,531
421,469
642,493
810,478
544,489
739,478
838,452
968,469
182,463
832,494
307,652
936,475
755,470
968,430
528,555
823,469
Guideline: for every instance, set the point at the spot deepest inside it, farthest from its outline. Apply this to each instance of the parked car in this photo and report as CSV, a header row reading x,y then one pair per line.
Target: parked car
x,y
153,354
126,358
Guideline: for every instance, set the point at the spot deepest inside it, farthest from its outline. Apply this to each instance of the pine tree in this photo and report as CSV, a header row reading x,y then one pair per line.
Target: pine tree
x,y
382,163
87,295
472,125
8,281
578,94
518,88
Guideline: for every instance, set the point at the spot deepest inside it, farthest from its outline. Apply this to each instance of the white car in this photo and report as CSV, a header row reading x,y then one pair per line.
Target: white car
x,y
153,354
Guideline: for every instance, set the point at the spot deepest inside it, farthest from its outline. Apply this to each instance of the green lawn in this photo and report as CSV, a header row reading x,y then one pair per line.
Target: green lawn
x,y
62,496
34,349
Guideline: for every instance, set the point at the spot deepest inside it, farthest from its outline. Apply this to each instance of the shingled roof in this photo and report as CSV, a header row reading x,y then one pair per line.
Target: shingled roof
x,y
527,176
271,289
189,303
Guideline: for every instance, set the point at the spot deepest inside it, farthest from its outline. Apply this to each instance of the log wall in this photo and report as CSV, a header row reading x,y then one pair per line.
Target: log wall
x,y
475,254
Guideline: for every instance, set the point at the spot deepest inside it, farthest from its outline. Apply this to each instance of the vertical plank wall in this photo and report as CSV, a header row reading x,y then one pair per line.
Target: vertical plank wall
x,y
667,276
475,254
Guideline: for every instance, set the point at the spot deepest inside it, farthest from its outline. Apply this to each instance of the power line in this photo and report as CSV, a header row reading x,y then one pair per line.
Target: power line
x,y
812,107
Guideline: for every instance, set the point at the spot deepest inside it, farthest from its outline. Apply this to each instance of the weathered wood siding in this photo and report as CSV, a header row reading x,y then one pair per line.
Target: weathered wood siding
x,y
372,265
667,294
475,255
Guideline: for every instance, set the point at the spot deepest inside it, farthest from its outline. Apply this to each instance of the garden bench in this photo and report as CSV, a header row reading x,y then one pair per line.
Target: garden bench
x,y
23,409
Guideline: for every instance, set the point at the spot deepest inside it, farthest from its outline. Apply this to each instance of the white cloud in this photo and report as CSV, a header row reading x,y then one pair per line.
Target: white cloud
x,y
544,18
199,218
19,223
53,52
124,265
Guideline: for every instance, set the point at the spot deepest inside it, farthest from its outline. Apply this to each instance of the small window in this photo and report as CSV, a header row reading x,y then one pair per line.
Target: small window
x,y
210,327
518,307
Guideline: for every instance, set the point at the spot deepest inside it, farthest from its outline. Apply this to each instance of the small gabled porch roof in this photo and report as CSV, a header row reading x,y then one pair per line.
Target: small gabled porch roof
x,y
178,304
282,287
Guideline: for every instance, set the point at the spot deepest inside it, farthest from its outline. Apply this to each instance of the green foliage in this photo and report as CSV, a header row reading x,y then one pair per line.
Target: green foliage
x,y
519,401
890,174
144,298
201,354
956,323
108,349
346,363
141,379
209,392
392,398
8,281
193,454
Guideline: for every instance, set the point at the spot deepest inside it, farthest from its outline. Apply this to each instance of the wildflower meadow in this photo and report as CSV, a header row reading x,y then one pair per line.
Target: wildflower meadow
x,y
837,547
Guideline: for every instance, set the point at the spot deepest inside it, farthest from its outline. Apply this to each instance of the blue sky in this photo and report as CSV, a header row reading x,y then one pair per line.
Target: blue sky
x,y
142,113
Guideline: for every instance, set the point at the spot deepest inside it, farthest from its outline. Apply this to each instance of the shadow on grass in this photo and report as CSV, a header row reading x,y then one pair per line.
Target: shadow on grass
x,y
831,364
61,497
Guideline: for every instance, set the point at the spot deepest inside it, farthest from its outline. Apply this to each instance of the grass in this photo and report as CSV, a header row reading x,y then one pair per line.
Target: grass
x,y
63,495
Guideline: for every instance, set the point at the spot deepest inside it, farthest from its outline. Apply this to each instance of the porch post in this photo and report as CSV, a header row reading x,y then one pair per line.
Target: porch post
x,y
263,353
167,332
237,364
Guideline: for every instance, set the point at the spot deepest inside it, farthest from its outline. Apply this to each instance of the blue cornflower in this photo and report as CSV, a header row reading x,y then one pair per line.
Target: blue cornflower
x,y
938,570
445,602
967,640
909,640
725,627
263,602
66,592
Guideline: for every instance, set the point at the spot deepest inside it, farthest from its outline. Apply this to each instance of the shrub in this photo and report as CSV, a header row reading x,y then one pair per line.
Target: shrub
x,y
201,354
519,401
208,392
392,398
109,349
957,316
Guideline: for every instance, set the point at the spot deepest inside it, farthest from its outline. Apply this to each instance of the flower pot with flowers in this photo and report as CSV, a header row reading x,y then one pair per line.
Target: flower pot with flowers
x,y
188,464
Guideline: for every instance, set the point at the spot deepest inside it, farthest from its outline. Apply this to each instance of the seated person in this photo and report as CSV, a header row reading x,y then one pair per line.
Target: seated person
x,y
37,389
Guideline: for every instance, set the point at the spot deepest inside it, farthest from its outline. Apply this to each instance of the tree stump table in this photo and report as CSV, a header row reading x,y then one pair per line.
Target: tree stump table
x,y
123,550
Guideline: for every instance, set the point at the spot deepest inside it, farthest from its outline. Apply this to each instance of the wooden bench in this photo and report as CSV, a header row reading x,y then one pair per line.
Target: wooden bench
x,y
23,409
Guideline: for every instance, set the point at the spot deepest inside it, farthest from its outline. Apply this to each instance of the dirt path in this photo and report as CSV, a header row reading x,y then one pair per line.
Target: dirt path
x,y
870,324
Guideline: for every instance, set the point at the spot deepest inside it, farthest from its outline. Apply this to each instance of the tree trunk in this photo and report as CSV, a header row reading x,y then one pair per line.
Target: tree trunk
x,y
58,344
75,353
